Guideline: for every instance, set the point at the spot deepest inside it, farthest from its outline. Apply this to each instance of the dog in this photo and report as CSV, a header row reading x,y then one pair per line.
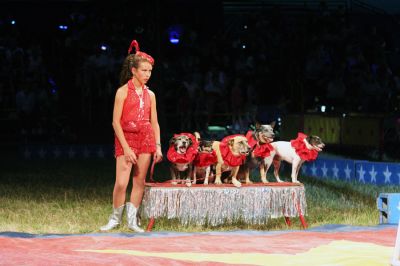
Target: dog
x,y
181,153
204,161
296,152
231,153
260,155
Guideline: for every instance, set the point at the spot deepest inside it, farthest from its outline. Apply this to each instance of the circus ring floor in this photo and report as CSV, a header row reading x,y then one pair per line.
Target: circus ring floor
x,y
327,245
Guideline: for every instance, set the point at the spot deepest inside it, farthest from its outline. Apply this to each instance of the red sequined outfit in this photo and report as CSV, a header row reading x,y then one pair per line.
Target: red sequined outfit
x,y
135,122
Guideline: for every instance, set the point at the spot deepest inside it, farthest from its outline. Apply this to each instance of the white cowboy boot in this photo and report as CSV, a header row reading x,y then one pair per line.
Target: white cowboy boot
x,y
115,219
131,216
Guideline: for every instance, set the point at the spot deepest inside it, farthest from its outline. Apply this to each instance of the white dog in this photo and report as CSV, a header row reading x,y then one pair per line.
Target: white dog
x,y
295,152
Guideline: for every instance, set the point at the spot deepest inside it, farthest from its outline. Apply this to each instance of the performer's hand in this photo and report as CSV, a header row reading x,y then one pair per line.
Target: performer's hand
x,y
158,155
130,156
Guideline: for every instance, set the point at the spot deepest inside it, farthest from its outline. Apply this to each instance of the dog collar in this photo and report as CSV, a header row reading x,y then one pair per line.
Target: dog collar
x,y
204,159
259,150
228,157
188,157
301,149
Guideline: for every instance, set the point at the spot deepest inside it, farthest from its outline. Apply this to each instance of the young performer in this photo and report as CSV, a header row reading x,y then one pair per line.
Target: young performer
x,y
137,135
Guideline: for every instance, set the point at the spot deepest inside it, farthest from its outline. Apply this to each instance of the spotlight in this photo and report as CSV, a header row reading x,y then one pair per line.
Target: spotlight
x,y
244,46
103,47
63,27
323,108
13,22
174,34
174,37
245,27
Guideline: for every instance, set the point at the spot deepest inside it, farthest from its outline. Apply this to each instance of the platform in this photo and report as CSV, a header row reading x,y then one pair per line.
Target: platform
x,y
224,204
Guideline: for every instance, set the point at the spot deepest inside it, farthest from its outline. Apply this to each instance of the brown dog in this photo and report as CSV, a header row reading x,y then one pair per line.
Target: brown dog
x,y
231,153
181,153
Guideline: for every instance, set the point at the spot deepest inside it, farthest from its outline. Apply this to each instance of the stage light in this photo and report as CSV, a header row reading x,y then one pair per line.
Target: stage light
x,y
323,108
62,27
174,34
13,22
103,47
344,115
245,27
174,37
244,46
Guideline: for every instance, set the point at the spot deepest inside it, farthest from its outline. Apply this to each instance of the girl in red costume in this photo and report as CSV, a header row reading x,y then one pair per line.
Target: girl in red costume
x,y
137,135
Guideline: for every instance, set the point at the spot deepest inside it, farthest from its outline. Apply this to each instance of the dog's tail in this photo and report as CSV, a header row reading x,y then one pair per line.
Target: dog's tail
x,y
197,135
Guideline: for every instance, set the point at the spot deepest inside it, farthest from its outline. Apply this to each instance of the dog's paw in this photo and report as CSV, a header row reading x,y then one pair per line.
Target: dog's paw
x,y
218,182
174,183
236,183
296,181
249,182
279,180
205,183
264,180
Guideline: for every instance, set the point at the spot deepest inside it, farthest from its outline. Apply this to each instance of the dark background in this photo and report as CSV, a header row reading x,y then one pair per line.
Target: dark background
x,y
236,63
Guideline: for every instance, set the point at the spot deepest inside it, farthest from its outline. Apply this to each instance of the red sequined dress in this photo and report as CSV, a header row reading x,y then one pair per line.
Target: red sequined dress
x,y
135,122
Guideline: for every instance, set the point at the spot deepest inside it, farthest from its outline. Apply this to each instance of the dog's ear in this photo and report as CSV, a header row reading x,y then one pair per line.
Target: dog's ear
x,y
197,135
231,142
258,125
172,141
272,124
190,141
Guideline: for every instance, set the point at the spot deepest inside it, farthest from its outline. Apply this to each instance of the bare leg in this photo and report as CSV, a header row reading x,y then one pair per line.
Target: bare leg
x,y
139,178
123,171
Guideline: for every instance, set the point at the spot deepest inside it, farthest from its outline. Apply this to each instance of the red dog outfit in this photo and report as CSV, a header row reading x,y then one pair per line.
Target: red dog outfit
x,y
301,148
230,159
263,150
190,154
204,159
135,122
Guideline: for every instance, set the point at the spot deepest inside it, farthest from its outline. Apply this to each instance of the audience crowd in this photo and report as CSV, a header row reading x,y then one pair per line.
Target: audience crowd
x,y
230,71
